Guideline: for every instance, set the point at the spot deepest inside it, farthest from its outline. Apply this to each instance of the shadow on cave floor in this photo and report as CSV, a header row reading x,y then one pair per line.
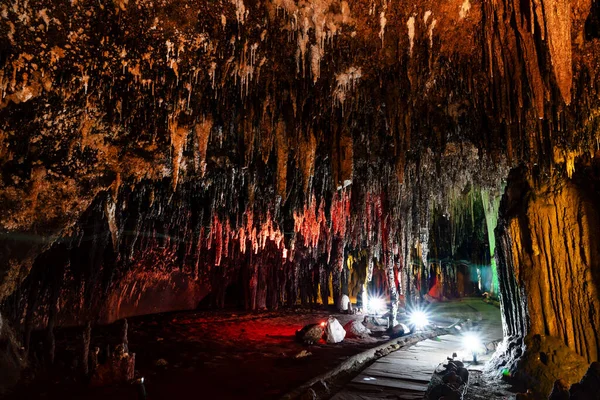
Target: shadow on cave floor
x,y
226,355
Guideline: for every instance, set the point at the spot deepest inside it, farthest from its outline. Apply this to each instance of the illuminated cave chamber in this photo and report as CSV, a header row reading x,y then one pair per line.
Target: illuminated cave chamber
x,y
260,155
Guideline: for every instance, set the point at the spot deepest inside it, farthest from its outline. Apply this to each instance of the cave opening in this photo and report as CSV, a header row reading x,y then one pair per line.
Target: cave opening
x,y
302,199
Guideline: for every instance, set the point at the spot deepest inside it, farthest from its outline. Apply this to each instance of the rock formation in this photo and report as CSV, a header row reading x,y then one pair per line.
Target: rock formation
x,y
155,154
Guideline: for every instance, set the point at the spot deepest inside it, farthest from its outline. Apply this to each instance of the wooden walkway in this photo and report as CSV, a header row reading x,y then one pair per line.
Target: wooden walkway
x,y
405,374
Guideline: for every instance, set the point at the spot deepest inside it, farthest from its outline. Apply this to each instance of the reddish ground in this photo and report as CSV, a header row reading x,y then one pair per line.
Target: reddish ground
x,y
209,355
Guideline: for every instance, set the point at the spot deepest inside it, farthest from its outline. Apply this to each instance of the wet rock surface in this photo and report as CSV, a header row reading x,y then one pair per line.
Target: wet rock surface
x,y
555,304
156,155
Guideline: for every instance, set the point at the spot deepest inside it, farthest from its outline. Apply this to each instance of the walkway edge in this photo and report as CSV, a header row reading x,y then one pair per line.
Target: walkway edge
x,y
319,386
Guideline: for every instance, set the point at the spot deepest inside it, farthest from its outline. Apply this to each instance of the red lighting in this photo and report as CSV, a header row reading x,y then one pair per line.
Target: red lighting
x,y
323,324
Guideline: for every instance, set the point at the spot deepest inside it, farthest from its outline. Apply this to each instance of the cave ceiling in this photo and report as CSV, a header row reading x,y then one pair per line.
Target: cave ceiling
x,y
317,122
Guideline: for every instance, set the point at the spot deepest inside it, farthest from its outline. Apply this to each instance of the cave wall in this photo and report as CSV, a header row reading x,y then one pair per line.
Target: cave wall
x,y
193,146
258,108
549,239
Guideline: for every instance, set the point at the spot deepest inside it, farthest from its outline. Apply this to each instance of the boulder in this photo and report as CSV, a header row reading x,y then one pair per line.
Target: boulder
x,y
398,330
544,361
356,329
310,334
334,331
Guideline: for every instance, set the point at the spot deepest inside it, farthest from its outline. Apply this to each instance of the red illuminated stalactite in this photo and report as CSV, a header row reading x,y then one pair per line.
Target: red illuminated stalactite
x,y
198,251
328,246
241,236
310,222
217,235
228,234
340,213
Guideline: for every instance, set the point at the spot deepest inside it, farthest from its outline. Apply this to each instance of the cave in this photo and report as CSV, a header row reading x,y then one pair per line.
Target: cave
x,y
196,195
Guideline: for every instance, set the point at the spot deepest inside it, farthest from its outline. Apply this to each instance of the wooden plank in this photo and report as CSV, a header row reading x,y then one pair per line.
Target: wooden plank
x,y
404,362
392,383
418,374
418,378
350,395
364,392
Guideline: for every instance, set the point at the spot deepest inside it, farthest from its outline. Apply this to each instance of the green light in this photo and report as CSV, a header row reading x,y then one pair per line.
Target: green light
x,y
491,204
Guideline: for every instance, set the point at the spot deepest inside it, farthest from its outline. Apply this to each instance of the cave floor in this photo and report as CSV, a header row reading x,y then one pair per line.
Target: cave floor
x,y
406,373
226,355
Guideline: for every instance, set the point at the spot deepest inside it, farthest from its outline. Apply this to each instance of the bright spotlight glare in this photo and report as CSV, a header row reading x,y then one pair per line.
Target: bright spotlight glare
x,y
419,319
377,305
472,342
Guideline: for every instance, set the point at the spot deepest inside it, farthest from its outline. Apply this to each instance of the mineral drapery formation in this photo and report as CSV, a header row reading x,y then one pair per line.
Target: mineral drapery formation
x,y
158,153
549,269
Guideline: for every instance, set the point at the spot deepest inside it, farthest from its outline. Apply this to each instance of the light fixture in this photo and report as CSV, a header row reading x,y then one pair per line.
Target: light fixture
x,y
419,319
472,344
377,305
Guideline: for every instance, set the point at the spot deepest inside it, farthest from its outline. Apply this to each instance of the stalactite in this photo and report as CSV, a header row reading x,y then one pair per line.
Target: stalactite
x,y
282,158
306,158
202,131
176,144
491,204
178,138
